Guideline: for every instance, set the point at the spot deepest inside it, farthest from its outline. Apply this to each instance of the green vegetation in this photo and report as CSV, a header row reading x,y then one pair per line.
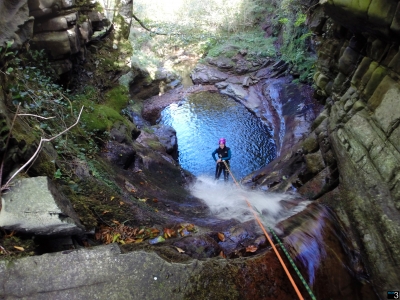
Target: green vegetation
x,y
198,27
290,19
254,42
222,28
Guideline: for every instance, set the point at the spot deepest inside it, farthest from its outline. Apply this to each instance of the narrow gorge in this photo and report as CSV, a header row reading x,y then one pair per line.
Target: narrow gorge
x,y
103,209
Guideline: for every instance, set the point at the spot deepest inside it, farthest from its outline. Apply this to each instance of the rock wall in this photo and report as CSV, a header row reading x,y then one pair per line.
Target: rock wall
x,y
351,158
358,73
61,27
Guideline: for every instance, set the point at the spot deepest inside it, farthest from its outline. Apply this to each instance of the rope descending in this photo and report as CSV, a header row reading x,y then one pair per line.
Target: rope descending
x,y
273,245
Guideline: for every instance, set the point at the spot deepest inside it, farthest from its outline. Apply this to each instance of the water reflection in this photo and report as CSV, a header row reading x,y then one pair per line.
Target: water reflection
x,y
205,117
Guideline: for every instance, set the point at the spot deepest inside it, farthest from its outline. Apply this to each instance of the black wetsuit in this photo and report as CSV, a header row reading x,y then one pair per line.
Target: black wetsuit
x,y
225,155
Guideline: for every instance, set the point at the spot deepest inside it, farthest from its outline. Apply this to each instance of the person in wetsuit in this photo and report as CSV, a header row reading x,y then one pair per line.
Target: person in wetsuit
x,y
224,154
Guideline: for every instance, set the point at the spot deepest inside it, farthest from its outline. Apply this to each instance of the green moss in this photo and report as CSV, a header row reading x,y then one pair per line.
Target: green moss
x,y
100,118
155,145
148,130
45,167
117,98
310,144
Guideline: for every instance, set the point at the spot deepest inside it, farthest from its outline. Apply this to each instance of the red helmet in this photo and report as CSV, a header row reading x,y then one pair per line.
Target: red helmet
x,y
222,141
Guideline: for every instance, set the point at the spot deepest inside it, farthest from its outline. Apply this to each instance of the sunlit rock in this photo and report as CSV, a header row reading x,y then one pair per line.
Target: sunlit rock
x,y
34,205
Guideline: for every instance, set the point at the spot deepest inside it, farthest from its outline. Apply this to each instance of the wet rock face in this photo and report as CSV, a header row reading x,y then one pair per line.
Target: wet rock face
x,y
351,158
358,73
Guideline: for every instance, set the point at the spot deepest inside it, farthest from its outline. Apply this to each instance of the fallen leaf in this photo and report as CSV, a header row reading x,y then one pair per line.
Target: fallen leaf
x,y
141,231
10,235
106,211
115,237
190,227
121,203
138,241
130,187
251,248
180,250
155,231
222,254
155,200
168,232
112,198
116,222
221,236
108,238
143,200
19,248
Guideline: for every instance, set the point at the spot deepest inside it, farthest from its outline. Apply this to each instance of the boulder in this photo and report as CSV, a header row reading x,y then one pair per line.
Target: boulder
x,y
15,23
167,137
33,205
207,75
118,154
43,8
57,43
235,91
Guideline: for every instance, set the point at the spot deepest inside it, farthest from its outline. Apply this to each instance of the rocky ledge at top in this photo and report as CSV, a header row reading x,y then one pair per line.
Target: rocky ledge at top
x,y
61,27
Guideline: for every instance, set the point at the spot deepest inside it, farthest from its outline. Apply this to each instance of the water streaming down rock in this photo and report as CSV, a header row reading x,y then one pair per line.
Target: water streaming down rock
x,y
227,201
311,232
325,253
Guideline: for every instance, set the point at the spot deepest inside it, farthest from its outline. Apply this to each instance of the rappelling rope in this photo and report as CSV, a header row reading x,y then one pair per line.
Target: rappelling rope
x,y
267,236
293,265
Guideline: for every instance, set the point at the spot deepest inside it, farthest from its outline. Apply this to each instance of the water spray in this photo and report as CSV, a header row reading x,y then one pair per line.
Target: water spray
x,y
269,239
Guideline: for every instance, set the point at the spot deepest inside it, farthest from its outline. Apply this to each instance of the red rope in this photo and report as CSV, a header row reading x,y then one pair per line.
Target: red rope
x,y
269,239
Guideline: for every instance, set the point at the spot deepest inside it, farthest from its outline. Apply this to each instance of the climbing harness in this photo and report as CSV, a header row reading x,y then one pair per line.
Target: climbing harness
x,y
273,246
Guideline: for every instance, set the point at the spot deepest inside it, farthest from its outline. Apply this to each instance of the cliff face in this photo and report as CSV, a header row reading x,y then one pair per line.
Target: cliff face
x,y
358,73
351,158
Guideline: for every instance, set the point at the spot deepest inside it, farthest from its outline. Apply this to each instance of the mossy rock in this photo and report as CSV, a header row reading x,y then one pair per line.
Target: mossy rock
x,y
376,78
155,145
117,98
310,144
101,118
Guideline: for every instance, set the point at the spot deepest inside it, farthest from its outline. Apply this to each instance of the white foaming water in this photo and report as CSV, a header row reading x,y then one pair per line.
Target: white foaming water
x,y
227,201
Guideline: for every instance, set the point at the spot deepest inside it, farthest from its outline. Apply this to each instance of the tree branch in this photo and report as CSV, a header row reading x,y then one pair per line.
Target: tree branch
x,y
40,117
42,140
144,26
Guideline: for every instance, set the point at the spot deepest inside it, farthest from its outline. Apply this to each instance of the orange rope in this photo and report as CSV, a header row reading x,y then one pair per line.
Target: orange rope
x,y
269,239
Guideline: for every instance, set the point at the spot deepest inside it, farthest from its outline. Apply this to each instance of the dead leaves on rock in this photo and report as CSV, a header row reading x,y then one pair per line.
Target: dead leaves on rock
x,y
126,235
251,248
180,250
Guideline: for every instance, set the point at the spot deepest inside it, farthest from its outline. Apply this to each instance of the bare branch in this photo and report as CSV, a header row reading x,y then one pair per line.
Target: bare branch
x,y
4,250
32,115
150,30
42,140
